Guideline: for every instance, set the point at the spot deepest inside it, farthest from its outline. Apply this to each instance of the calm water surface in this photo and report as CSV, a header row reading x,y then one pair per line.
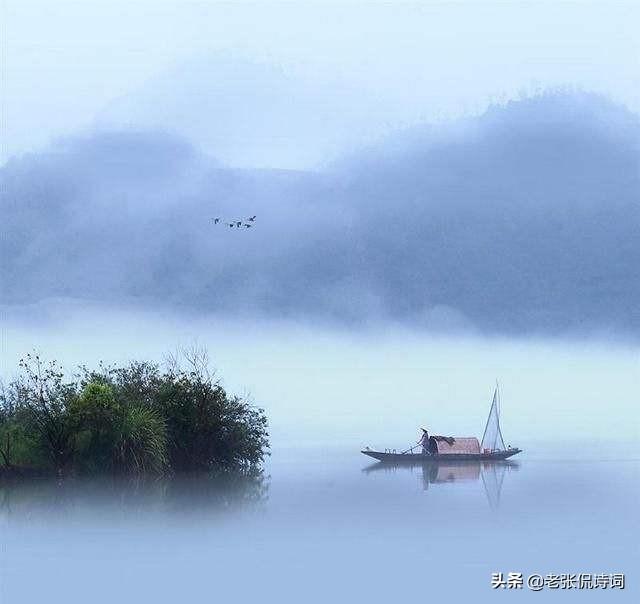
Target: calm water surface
x,y
325,525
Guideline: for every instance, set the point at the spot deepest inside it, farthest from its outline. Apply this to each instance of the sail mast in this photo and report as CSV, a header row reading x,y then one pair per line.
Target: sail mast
x,y
498,409
492,437
486,426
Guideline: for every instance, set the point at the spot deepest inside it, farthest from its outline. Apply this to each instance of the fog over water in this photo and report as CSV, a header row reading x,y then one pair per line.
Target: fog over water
x,y
375,386
325,525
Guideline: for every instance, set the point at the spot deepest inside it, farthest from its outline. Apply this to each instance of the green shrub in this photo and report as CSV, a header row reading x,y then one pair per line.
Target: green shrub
x,y
208,428
141,445
96,417
132,419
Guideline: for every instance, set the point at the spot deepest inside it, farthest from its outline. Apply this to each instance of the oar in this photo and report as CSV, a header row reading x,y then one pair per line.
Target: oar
x,y
408,450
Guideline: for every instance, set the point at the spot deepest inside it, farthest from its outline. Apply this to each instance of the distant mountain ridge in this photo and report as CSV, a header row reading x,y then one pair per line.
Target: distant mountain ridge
x,y
523,220
250,113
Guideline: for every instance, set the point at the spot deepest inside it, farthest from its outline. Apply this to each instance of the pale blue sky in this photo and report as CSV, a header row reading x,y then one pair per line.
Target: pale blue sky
x,y
63,62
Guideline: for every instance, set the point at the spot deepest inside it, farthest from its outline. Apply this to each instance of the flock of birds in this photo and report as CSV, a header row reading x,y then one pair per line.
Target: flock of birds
x,y
247,223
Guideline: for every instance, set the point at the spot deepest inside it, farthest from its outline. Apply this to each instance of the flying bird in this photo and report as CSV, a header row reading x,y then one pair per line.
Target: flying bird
x,y
235,223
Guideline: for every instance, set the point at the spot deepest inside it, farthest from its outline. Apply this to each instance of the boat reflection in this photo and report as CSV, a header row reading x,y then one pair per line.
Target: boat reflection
x,y
491,473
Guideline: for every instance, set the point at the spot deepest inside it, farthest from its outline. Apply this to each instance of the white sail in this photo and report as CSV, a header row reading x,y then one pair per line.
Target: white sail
x,y
492,437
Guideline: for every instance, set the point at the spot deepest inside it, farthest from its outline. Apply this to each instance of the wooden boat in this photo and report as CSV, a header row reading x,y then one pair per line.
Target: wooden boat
x,y
417,458
455,449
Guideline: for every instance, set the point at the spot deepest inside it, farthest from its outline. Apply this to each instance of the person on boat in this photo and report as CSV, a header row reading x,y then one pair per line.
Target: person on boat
x,y
424,441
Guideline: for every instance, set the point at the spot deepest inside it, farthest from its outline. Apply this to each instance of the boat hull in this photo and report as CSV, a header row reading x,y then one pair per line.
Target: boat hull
x,y
413,458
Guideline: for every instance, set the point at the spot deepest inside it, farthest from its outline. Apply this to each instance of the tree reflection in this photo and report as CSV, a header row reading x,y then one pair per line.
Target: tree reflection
x,y
135,497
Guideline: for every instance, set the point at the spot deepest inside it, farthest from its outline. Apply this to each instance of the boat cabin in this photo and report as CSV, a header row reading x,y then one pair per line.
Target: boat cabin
x,y
449,445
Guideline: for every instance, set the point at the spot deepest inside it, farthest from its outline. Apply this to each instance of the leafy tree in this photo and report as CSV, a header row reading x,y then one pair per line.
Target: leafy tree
x,y
6,417
208,428
96,416
41,401
17,446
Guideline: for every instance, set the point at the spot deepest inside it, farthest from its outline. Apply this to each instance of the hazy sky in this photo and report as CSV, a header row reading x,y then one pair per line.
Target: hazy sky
x,y
63,62
521,221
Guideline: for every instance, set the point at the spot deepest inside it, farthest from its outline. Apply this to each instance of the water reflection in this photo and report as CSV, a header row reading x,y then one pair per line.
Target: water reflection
x,y
132,497
491,473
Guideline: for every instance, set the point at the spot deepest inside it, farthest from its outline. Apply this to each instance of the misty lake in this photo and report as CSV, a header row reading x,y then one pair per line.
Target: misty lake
x,y
325,525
